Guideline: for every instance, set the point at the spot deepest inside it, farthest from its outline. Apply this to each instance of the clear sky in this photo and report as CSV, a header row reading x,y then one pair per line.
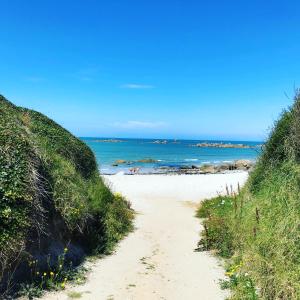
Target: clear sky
x,y
159,68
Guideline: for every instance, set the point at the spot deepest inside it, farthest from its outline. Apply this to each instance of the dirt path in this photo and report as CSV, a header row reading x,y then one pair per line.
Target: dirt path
x,y
157,260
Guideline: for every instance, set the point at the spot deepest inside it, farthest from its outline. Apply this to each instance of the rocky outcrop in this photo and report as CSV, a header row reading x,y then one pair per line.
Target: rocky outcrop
x,y
121,162
159,142
243,164
147,160
108,141
238,165
222,145
130,162
211,169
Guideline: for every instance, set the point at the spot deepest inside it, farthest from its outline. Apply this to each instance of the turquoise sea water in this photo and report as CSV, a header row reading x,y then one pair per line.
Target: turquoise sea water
x,y
167,155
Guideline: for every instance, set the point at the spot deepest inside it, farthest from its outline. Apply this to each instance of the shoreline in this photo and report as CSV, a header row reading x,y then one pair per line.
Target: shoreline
x,y
175,173
191,169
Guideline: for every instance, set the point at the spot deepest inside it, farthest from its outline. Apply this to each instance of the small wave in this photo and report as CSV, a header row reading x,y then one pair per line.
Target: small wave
x,y
191,159
227,161
206,162
160,160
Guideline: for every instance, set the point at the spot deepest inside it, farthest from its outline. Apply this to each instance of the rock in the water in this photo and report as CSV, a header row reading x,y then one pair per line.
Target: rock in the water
x,y
160,142
120,162
147,160
224,167
221,145
108,141
210,169
243,164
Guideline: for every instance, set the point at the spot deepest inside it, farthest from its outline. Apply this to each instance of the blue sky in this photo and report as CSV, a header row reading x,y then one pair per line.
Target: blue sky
x,y
134,68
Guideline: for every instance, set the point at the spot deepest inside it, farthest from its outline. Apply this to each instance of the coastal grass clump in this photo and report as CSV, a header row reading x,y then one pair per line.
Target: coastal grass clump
x,y
55,277
258,229
51,197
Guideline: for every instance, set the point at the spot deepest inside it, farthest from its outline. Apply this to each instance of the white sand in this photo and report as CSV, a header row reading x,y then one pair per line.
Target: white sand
x,y
157,260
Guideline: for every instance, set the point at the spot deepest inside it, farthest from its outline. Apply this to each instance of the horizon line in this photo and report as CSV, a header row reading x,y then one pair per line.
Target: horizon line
x,y
177,139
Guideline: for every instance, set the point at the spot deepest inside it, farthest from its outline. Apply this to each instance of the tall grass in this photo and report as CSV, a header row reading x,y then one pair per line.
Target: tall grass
x,y
51,195
259,229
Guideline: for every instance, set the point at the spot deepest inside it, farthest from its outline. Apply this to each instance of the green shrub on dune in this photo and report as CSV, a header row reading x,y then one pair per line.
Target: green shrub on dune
x,y
259,229
51,195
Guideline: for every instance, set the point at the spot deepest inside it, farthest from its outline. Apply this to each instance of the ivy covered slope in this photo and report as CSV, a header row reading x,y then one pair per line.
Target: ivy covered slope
x,y
51,194
259,229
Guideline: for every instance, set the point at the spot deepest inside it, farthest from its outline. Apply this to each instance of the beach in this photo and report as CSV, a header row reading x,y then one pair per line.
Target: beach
x,y
152,156
157,260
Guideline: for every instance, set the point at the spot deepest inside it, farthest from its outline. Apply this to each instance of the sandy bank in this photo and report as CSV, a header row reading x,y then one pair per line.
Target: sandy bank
x,y
157,260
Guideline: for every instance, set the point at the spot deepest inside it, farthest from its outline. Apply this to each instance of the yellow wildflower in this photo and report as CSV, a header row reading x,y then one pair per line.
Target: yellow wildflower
x,y
230,273
45,274
63,285
51,273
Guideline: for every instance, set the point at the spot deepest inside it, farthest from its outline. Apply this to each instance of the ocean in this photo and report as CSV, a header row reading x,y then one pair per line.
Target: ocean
x,y
174,153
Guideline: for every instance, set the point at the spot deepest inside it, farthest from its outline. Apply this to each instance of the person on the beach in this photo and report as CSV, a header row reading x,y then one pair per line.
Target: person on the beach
x,y
134,170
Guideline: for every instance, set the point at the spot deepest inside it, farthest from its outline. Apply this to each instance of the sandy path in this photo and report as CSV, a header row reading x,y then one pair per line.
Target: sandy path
x,y
157,260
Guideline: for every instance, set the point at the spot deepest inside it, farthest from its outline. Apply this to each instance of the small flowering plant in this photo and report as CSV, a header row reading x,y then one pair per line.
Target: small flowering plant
x,y
240,280
55,277
234,270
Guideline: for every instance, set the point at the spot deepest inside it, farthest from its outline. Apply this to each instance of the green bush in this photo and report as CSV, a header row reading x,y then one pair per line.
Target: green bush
x,y
261,224
50,191
216,233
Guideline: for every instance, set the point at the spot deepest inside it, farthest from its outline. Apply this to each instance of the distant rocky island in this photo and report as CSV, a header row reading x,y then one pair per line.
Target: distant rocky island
x,y
108,141
163,142
159,142
223,145
209,144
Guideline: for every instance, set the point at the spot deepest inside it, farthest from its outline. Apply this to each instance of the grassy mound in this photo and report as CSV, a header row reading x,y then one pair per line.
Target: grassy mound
x,y
51,196
259,229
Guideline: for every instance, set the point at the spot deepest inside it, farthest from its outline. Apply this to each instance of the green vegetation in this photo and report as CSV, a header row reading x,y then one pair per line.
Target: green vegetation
x,y
258,229
51,197
53,277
